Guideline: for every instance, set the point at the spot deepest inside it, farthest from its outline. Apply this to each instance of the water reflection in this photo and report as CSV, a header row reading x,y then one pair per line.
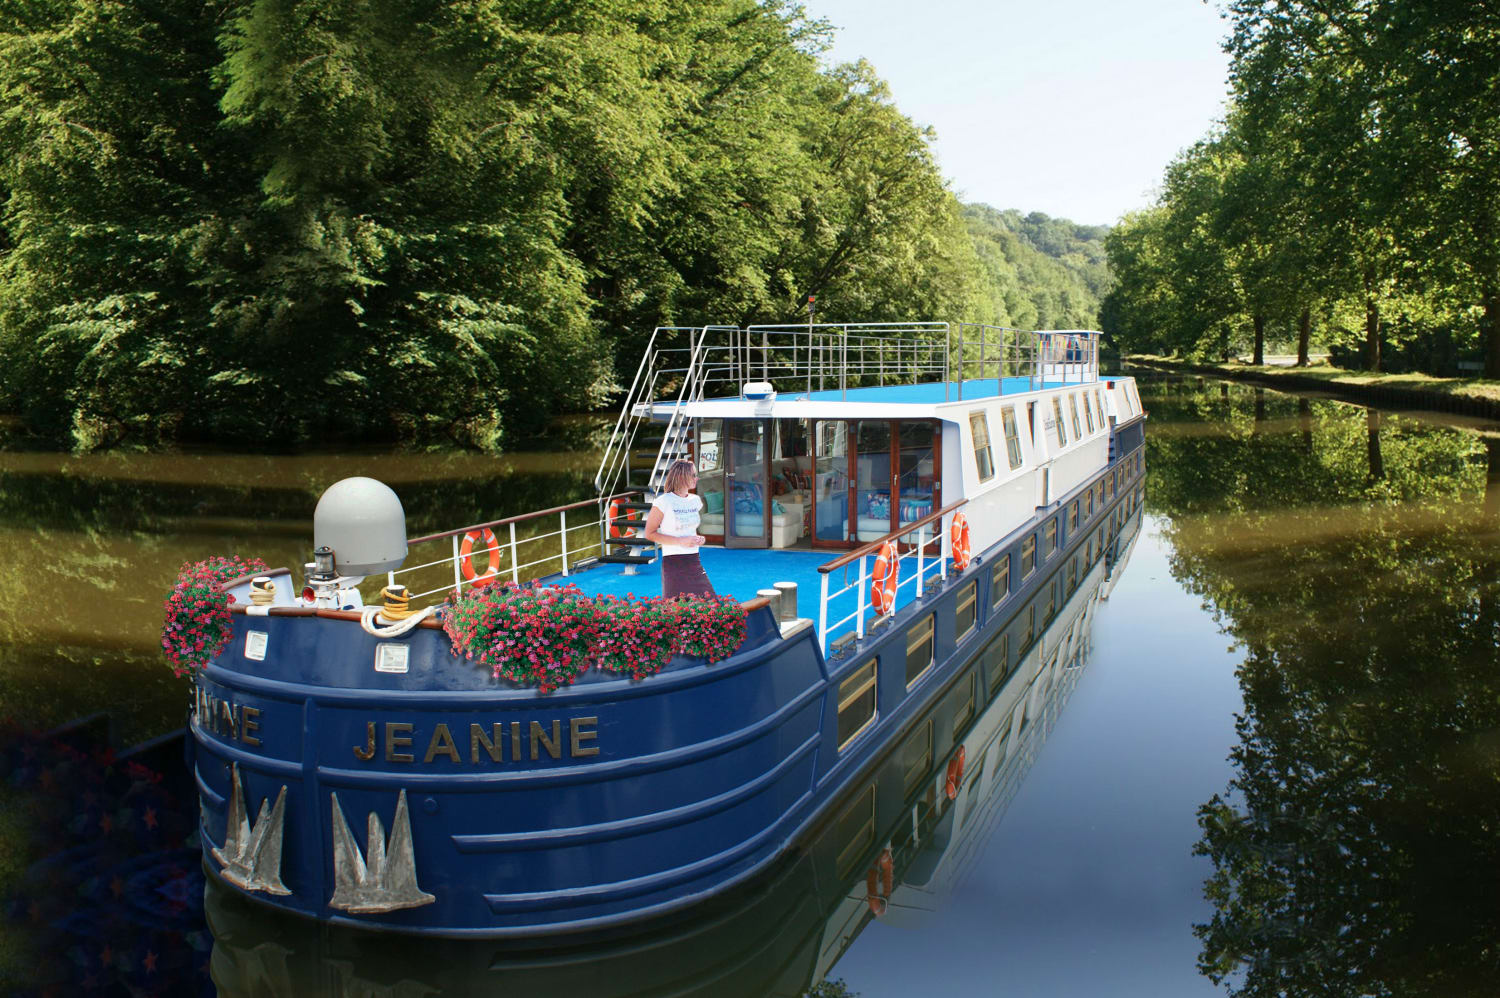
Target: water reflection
x,y
782,937
89,546
1353,556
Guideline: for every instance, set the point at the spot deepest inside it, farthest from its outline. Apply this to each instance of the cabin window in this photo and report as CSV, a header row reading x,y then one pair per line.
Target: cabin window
x,y
965,615
1028,626
1099,494
1000,580
856,829
1099,405
979,427
963,704
997,661
1051,600
1028,555
1051,546
1012,437
1062,433
1073,574
1073,413
1088,504
916,757
919,648
856,703
1109,487
1073,518
1088,413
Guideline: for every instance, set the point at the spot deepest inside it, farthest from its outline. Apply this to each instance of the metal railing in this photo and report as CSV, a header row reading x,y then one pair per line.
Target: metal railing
x,y
517,549
921,565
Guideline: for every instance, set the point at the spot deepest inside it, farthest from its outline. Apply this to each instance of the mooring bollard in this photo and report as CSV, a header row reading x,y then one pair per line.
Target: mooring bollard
x,y
788,592
774,595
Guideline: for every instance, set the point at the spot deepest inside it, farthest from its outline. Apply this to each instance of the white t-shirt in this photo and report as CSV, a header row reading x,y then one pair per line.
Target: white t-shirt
x,y
679,518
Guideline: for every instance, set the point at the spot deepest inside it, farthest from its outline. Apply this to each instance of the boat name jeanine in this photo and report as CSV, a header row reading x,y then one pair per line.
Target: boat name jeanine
x,y
497,742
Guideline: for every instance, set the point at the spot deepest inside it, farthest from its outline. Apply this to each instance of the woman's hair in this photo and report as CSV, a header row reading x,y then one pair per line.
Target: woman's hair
x,y
678,475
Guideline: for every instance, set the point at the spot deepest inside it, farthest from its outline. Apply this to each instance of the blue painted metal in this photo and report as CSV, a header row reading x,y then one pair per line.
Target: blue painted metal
x,y
704,775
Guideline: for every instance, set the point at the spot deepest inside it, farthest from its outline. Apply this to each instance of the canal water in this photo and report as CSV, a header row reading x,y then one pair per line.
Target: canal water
x,y
1265,762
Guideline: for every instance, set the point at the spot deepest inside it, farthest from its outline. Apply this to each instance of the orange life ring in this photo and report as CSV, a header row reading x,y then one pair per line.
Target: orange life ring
x,y
885,577
885,868
955,774
958,535
486,537
614,514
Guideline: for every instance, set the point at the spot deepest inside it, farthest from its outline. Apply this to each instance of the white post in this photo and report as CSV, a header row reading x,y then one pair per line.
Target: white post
x,y
823,616
921,543
859,595
515,573
458,579
945,547
564,536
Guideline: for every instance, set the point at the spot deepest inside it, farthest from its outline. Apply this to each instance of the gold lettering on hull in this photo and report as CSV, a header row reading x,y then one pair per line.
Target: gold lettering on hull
x,y
487,742
218,716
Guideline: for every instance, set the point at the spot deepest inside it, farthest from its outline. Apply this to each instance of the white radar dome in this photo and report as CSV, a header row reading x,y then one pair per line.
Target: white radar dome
x,y
363,522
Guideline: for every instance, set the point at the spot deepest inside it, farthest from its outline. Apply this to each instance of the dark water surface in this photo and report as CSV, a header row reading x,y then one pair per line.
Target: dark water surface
x,y
1268,760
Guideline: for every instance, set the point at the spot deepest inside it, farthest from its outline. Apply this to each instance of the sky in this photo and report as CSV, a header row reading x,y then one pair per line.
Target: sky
x,y
1068,107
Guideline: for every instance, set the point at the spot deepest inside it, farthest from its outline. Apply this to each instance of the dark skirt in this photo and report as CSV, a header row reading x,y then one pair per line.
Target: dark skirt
x,y
683,575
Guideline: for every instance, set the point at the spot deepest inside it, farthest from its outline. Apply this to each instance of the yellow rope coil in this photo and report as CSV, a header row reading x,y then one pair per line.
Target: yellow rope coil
x,y
262,592
397,605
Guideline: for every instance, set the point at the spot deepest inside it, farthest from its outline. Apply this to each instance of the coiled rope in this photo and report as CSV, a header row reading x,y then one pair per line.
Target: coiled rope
x,y
396,614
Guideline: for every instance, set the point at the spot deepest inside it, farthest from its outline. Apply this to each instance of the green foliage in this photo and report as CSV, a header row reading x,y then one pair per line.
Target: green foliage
x,y
1039,272
291,221
1356,181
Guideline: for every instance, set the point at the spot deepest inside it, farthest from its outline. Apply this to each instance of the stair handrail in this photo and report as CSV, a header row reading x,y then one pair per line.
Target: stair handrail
x,y
649,354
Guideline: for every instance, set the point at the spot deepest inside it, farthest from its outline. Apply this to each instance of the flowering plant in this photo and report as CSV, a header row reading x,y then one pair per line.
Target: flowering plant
x,y
546,637
639,637
710,627
532,635
197,624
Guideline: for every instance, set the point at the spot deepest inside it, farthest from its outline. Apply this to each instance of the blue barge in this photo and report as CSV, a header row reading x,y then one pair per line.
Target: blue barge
x,y
353,769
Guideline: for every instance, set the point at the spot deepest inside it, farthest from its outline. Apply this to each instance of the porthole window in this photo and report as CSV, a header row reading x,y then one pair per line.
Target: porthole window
x,y
856,703
965,615
1000,580
919,648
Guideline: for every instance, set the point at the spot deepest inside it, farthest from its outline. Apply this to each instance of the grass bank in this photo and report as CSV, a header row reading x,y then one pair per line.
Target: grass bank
x,y
1471,396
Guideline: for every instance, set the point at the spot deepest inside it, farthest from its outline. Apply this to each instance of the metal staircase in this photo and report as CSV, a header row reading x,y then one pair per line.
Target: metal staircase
x,y
644,445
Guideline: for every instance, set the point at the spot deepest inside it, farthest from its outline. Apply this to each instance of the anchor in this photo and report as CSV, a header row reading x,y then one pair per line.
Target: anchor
x,y
387,880
251,856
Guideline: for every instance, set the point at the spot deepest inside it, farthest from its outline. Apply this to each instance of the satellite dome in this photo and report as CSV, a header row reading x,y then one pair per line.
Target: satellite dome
x,y
361,519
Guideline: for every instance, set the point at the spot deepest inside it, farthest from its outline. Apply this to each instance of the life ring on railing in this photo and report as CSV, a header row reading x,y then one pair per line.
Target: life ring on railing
x,y
958,535
614,514
879,881
885,578
486,537
955,774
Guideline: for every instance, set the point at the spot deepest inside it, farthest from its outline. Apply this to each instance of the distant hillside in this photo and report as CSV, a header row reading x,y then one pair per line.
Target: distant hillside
x,y
1040,272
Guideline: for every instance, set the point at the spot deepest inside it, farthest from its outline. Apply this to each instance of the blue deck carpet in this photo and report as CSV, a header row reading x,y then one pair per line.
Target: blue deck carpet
x,y
739,573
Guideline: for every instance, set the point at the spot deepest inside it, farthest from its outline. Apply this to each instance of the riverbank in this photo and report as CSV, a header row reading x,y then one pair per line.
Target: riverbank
x,y
1464,396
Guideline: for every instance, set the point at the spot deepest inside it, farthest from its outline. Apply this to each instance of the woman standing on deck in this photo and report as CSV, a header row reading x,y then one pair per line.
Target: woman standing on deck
x,y
673,523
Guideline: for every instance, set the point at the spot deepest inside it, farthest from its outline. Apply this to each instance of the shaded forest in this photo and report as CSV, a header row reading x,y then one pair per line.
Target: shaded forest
x,y
298,222
1350,197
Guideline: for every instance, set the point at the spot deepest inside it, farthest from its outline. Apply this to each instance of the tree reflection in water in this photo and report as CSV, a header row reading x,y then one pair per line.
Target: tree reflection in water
x,y
1357,849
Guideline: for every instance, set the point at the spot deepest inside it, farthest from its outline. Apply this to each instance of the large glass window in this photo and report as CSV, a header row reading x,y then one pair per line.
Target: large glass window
x,y
1012,437
709,441
1057,422
979,428
874,505
831,480
916,470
